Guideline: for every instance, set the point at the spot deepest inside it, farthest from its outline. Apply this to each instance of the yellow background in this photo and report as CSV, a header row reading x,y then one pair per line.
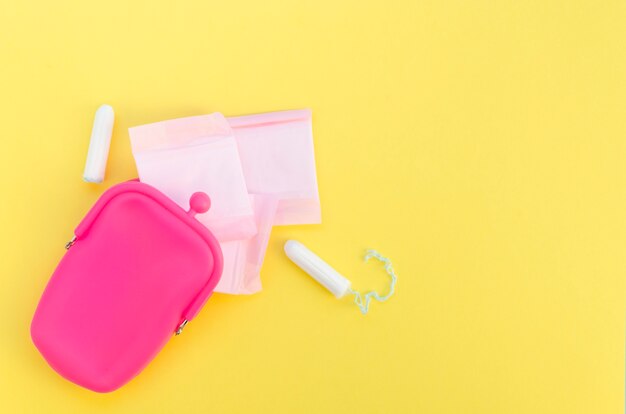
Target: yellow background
x,y
479,144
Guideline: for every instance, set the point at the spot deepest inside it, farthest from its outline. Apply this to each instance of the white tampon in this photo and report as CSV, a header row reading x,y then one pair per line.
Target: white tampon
x,y
317,268
99,145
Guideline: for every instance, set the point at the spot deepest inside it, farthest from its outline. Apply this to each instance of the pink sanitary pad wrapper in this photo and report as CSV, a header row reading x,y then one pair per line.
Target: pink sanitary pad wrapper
x,y
259,171
243,258
182,156
277,156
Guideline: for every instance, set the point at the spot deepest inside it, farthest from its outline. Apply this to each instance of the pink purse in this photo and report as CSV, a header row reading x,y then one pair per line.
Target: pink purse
x,y
138,269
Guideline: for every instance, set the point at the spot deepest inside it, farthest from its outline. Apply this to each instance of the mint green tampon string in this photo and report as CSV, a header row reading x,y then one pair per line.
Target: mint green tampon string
x,y
363,301
328,277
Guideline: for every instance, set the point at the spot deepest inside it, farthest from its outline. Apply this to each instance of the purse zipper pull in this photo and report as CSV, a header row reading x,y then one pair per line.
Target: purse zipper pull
x,y
70,243
181,327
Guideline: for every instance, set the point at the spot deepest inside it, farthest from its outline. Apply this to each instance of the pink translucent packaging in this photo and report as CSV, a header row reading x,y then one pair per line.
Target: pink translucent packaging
x,y
182,156
138,269
243,258
277,157
270,169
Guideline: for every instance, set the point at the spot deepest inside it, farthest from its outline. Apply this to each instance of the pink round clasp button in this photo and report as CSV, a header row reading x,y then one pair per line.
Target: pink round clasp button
x,y
199,203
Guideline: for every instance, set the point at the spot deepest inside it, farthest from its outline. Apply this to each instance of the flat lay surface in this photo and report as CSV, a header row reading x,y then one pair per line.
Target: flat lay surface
x,y
479,145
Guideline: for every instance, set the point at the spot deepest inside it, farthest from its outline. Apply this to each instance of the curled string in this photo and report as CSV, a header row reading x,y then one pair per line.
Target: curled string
x,y
363,301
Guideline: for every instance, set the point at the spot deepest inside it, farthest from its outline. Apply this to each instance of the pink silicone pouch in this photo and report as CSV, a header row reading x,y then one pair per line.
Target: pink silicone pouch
x,y
140,267
277,157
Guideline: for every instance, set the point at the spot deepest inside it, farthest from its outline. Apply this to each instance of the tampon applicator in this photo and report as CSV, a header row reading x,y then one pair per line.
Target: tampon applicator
x,y
317,268
332,280
99,145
